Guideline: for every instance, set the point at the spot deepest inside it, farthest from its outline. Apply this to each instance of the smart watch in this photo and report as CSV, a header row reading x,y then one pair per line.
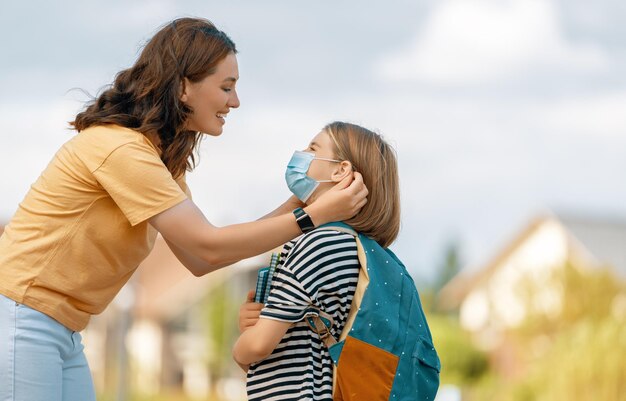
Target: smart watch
x,y
304,220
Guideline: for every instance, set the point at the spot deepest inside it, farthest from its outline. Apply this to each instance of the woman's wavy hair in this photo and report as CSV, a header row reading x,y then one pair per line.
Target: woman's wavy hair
x,y
146,97
376,160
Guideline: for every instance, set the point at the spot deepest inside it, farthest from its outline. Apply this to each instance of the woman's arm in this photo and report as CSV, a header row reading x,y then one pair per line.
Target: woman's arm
x,y
289,205
195,264
185,227
191,262
258,342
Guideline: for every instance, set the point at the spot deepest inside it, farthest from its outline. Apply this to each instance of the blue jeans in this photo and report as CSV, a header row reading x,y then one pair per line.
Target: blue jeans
x,y
40,359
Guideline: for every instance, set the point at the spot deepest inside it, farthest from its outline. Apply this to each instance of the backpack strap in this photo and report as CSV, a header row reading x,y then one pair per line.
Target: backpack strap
x,y
323,322
316,323
363,280
344,228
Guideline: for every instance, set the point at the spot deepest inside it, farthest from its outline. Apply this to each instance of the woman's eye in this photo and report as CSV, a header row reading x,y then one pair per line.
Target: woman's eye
x,y
226,89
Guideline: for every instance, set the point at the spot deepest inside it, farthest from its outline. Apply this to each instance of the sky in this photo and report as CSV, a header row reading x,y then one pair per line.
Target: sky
x,y
500,110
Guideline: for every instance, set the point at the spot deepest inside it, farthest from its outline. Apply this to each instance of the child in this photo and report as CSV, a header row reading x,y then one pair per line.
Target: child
x,y
285,359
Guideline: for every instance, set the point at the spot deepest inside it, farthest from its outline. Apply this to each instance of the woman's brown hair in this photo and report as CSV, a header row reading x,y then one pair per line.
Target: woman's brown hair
x,y
146,97
376,160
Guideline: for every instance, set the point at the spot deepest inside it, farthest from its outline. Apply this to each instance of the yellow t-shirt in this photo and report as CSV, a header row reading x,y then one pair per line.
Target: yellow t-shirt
x,y
82,230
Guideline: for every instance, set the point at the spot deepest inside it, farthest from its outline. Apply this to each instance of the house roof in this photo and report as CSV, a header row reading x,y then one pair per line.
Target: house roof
x,y
603,239
453,293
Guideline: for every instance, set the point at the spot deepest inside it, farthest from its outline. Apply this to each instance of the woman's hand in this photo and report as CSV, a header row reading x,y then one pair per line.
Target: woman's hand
x,y
341,202
249,313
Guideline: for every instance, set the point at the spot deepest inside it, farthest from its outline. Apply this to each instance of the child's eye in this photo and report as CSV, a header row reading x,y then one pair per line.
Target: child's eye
x,y
226,89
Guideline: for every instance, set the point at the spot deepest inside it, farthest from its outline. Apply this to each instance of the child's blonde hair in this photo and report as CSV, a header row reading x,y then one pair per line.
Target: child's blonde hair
x,y
376,160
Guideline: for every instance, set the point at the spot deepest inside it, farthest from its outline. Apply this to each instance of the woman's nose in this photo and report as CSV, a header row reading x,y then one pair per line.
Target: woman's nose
x,y
234,100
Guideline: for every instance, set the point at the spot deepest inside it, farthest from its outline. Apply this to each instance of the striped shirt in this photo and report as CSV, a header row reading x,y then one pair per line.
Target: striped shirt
x,y
320,270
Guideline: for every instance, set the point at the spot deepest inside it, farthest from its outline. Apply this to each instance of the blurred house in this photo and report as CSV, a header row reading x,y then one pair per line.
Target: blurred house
x,y
154,337
496,297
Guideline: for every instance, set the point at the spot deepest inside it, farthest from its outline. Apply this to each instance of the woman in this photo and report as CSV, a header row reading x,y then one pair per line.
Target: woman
x,y
283,357
89,220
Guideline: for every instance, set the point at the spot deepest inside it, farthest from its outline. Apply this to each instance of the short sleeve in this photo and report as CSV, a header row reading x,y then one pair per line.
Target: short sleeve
x,y
138,182
315,265
182,183
287,301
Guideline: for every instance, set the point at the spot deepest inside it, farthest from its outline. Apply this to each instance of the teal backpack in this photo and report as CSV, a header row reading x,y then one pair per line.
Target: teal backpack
x,y
385,351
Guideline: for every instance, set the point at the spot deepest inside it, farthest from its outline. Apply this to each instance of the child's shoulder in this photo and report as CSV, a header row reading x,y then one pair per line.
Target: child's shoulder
x,y
323,235
320,239
318,247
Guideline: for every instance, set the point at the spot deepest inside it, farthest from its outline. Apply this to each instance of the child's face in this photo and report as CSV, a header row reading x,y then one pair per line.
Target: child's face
x,y
322,146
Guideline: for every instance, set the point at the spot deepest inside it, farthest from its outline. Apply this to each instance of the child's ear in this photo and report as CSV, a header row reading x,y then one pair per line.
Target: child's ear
x,y
342,170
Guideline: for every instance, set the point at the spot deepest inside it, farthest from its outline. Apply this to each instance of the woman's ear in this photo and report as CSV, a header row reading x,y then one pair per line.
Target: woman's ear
x,y
342,170
184,85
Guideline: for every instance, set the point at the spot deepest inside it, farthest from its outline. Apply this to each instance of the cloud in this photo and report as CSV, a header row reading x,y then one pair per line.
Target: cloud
x,y
475,41
28,140
599,116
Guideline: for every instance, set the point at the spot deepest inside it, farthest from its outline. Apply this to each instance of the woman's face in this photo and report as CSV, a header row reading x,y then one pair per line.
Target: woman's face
x,y
212,97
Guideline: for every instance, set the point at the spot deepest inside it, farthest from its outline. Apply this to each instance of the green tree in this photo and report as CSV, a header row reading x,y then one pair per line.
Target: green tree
x,y
462,363
450,265
221,310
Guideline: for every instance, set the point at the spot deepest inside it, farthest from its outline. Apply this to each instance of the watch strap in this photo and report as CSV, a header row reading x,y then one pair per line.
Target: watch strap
x,y
304,220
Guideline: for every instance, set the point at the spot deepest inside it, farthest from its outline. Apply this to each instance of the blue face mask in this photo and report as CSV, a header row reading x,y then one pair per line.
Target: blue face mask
x,y
298,182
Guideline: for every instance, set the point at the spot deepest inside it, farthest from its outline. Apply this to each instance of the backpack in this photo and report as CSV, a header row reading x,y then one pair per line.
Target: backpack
x,y
385,351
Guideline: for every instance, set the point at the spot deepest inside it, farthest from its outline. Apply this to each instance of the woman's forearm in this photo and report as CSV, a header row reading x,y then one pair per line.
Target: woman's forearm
x,y
186,228
222,246
226,245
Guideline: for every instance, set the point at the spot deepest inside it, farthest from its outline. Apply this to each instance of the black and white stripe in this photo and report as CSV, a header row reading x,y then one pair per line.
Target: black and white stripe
x,y
320,270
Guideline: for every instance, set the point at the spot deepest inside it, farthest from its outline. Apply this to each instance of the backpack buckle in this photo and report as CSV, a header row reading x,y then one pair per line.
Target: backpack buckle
x,y
322,327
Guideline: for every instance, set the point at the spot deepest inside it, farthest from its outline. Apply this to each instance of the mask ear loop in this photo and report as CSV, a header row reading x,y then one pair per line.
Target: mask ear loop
x,y
328,160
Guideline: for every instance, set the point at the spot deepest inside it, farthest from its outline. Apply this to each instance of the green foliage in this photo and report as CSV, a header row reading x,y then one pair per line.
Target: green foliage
x,y
586,294
584,359
585,363
221,311
461,362
581,357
